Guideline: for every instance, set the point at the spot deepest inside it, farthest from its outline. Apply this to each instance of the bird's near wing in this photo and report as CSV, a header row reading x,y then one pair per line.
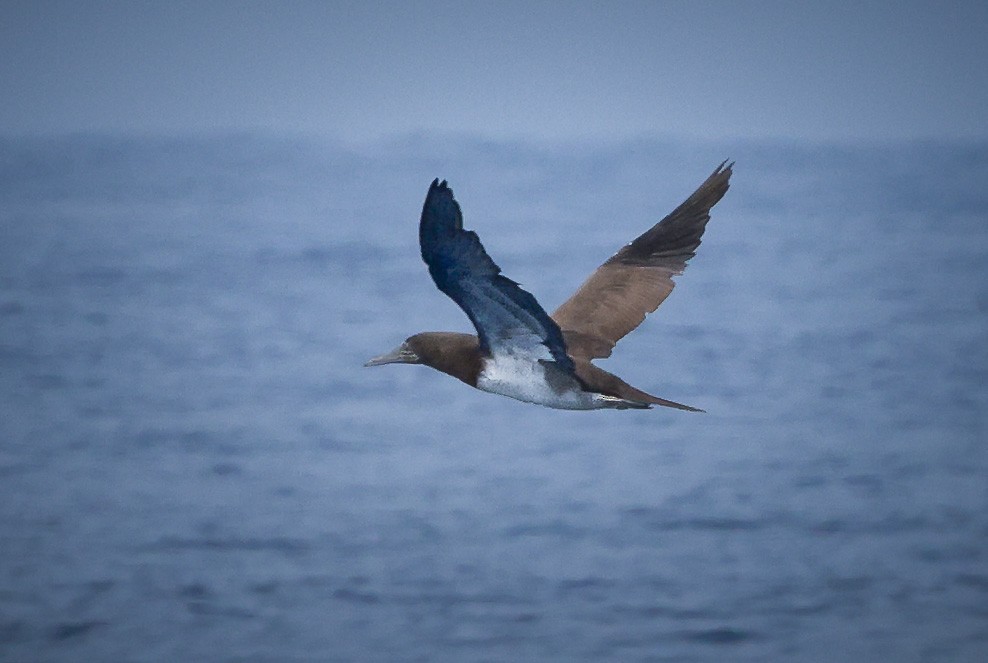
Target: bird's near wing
x,y
633,282
508,319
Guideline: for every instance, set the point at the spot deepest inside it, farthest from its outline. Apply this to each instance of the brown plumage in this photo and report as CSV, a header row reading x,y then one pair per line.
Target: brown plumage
x,y
615,299
452,353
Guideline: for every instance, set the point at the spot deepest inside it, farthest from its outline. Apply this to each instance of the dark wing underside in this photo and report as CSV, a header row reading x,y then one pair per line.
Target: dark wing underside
x,y
507,318
631,284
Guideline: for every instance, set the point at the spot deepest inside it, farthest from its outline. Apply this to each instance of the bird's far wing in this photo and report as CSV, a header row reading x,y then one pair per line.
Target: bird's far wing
x,y
507,318
633,282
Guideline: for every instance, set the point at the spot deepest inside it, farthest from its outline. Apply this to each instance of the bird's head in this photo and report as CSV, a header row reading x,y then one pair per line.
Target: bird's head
x,y
449,352
403,354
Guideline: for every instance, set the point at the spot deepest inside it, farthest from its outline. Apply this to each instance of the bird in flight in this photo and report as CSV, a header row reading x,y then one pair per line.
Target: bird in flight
x,y
522,352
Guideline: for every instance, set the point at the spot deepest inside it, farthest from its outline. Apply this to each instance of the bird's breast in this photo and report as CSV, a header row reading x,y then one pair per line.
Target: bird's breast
x,y
533,381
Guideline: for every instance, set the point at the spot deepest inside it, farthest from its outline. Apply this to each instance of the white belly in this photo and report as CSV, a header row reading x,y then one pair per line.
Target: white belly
x,y
526,380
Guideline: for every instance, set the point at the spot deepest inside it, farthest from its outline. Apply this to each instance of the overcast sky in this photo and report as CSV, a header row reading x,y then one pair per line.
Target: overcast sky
x,y
837,71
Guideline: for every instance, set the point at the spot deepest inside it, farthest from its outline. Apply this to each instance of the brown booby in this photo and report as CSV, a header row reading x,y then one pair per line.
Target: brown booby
x,y
521,351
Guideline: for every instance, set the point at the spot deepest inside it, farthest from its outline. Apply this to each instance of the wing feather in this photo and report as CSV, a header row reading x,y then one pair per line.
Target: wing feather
x,y
507,318
616,298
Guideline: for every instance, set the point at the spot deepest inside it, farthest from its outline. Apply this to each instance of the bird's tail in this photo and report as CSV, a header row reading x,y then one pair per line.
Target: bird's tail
x,y
618,393
667,403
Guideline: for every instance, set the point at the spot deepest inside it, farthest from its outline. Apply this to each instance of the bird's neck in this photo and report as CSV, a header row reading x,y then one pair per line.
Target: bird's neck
x,y
450,352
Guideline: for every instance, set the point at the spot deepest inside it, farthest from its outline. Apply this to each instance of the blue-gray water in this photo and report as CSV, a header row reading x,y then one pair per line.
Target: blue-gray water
x,y
195,466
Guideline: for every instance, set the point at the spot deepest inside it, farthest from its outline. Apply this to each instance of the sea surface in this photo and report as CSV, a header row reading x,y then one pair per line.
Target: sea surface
x,y
195,466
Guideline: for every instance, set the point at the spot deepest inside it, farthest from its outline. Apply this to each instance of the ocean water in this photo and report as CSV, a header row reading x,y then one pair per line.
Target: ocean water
x,y
194,465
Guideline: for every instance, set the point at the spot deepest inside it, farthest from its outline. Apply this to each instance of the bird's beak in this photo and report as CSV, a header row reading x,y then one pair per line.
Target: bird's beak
x,y
400,355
